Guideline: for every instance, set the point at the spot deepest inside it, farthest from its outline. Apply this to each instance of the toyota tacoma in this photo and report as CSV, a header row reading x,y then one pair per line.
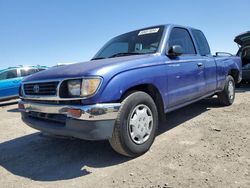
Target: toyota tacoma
x,y
128,86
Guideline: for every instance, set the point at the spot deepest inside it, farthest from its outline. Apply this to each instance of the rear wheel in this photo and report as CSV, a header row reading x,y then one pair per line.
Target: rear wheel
x,y
136,125
226,97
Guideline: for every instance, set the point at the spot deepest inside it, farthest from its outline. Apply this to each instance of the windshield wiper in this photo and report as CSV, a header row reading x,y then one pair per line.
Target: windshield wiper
x,y
96,58
125,54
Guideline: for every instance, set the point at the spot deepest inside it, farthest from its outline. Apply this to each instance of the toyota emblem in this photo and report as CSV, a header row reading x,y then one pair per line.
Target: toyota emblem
x,y
36,88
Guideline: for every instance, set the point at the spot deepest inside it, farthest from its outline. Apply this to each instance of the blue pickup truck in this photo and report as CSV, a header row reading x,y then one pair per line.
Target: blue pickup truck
x,y
128,86
11,78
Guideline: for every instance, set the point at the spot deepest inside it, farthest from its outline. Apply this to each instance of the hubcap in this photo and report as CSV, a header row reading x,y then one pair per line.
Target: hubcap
x,y
140,124
231,89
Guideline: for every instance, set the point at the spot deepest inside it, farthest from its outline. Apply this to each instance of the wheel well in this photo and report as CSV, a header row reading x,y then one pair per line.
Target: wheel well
x,y
234,73
150,90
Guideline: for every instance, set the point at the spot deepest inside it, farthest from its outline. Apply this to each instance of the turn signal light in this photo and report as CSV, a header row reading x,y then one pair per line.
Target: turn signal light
x,y
74,113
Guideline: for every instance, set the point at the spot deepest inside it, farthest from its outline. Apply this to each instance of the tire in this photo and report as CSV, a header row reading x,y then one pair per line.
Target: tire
x,y
131,140
227,96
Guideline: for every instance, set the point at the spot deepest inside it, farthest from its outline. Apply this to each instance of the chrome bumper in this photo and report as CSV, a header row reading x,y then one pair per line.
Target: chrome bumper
x,y
96,112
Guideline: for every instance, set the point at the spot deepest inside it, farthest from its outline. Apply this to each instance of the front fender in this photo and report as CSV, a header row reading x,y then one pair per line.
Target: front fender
x,y
120,83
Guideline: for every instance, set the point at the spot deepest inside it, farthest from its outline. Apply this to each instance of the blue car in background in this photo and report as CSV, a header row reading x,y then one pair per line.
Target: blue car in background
x,y
11,78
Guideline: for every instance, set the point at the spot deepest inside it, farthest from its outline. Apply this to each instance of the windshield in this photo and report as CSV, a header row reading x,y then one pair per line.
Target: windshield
x,y
143,41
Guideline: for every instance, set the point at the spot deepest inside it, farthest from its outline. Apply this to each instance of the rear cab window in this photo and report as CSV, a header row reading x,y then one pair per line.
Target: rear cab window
x,y
201,41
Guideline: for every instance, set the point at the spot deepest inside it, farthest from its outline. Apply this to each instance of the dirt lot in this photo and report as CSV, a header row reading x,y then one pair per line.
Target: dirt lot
x,y
202,145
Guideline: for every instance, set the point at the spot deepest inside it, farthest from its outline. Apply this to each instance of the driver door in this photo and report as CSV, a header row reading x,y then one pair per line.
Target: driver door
x,y
186,80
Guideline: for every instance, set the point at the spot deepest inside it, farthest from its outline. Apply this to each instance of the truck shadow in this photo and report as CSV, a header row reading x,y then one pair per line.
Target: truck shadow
x,y
15,110
182,115
50,159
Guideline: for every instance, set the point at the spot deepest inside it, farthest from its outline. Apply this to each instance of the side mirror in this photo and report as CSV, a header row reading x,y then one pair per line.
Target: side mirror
x,y
175,50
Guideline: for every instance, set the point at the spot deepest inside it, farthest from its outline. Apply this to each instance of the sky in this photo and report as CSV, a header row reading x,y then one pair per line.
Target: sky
x,y
48,32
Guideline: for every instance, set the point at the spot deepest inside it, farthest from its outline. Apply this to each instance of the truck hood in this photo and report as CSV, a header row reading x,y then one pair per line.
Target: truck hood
x,y
243,39
104,67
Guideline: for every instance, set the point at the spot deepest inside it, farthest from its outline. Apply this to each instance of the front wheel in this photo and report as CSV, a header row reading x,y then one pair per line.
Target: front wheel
x,y
226,97
135,126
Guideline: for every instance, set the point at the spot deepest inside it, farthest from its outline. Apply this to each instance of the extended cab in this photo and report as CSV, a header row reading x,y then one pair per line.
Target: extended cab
x,y
130,84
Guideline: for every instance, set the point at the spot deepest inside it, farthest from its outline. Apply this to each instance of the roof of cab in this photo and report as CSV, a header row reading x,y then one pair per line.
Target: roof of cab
x,y
169,25
162,25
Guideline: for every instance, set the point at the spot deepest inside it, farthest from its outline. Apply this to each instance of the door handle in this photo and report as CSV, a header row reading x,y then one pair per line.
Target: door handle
x,y
199,64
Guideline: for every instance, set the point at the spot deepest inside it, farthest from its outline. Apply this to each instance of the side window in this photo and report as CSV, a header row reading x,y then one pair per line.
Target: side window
x,y
26,72
201,42
180,36
8,74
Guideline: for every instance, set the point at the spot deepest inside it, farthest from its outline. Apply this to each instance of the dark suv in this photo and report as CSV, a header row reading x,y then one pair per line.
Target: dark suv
x,y
243,40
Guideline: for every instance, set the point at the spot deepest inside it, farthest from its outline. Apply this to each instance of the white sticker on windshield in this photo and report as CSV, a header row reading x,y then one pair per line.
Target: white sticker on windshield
x,y
149,31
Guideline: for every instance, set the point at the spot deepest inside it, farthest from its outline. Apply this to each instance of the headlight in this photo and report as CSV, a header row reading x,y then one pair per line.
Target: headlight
x,y
74,88
83,87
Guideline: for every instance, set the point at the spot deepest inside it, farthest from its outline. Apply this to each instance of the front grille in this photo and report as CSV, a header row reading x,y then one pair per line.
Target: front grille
x,y
45,88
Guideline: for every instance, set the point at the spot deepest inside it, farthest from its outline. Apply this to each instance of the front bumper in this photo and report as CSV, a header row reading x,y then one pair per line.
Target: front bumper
x,y
95,122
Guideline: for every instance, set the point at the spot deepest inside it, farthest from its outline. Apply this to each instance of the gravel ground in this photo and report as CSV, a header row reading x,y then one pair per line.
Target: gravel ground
x,y
202,145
